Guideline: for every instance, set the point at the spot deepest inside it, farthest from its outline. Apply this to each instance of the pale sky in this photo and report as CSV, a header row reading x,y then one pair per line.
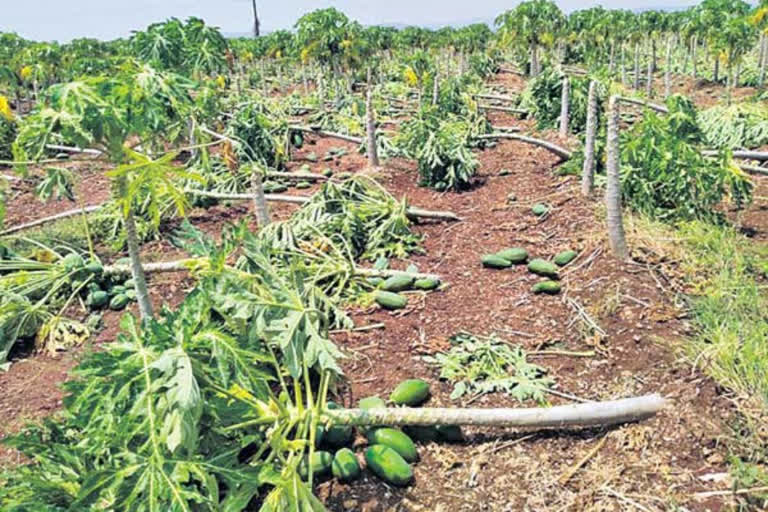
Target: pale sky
x,y
63,20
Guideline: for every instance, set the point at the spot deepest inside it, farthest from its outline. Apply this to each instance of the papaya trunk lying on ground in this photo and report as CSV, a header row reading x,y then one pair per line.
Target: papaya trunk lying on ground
x,y
503,109
586,414
323,133
189,263
413,213
554,148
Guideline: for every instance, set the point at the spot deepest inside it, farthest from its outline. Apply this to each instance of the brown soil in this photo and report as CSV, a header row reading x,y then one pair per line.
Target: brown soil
x,y
92,186
657,463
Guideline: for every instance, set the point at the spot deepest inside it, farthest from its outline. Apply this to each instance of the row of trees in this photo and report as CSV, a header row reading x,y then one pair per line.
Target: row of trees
x,y
720,31
726,30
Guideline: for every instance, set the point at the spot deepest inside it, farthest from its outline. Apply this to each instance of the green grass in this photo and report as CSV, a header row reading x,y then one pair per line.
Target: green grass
x,y
728,298
725,279
729,306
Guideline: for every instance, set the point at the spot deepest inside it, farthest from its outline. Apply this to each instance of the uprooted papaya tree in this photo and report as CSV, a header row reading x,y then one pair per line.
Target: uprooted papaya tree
x,y
218,404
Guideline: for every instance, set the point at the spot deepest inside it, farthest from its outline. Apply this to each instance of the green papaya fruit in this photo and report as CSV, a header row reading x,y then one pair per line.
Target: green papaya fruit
x,y
410,392
388,465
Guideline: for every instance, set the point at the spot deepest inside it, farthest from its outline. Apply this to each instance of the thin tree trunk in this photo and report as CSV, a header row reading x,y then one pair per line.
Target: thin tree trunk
x,y
323,133
586,414
256,22
564,107
554,148
614,219
653,106
763,60
694,49
436,89
636,85
623,66
716,74
370,124
412,212
653,55
588,172
649,79
52,218
192,140
137,271
169,267
612,58
264,86
259,200
534,60
321,89
668,70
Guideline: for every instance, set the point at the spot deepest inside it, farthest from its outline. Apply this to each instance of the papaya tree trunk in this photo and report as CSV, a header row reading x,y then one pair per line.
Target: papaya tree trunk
x,y
649,79
588,172
564,107
586,414
614,219
534,60
259,199
321,89
729,82
763,60
716,74
668,70
436,89
137,271
370,123
554,148
264,86
694,48
636,85
653,55
623,66
612,58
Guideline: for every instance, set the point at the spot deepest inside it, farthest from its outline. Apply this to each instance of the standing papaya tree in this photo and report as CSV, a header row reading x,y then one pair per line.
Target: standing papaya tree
x,y
321,35
719,17
106,113
534,24
760,20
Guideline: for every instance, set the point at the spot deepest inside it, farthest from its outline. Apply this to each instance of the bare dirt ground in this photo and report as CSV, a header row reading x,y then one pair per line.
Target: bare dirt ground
x,y
654,465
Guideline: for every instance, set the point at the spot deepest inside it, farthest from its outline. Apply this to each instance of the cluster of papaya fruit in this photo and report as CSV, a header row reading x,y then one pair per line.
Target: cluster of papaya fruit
x,y
548,269
101,290
388,290
389,452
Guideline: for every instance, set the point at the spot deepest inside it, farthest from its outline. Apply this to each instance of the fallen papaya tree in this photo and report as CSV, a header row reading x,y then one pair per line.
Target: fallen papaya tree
x,y
563,416
225,400
503,109
324,133
414,213
190,264
549,146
